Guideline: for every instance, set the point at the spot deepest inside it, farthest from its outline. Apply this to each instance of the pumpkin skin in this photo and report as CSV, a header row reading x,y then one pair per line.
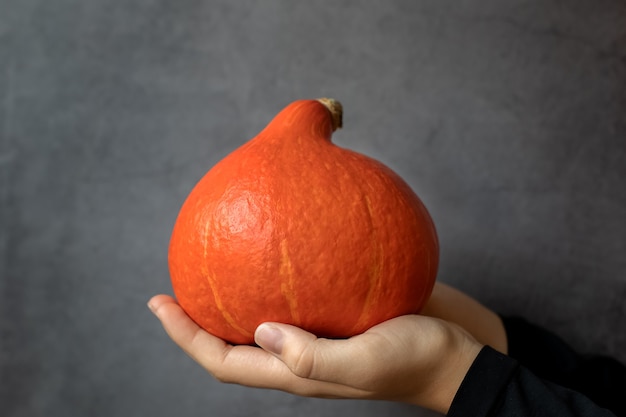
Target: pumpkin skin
x,y
291,228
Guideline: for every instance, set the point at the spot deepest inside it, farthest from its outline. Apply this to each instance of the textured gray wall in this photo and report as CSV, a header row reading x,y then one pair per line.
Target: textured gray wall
x,y
507,117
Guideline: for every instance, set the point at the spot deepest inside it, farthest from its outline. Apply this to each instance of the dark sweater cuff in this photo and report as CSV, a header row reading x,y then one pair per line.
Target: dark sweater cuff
x,y
480,391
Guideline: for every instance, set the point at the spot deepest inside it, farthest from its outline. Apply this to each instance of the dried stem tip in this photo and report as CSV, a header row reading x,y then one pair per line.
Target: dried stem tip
x,y
336,110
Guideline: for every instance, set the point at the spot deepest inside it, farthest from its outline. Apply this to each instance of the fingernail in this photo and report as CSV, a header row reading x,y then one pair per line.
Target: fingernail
x,y
152,307
269,338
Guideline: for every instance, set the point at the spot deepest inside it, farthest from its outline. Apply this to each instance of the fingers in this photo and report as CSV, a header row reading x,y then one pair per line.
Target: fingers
x,y
244,365
185,332
222,360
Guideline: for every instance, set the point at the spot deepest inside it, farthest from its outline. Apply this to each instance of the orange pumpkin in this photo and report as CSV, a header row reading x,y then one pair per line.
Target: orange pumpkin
x,y
292,228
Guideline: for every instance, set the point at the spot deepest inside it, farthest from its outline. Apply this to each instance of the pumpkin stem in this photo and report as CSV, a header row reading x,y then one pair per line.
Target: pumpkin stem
x,y
336,111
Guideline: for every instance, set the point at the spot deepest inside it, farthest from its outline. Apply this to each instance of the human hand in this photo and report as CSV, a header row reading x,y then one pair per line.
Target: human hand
x,y
415,359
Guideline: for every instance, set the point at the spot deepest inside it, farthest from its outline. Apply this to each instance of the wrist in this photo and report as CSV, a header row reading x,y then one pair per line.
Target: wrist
x,y
458,374
449,373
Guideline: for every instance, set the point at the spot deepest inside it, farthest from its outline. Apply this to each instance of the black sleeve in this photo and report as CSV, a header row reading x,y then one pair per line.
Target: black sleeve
x,y
600,378
497,386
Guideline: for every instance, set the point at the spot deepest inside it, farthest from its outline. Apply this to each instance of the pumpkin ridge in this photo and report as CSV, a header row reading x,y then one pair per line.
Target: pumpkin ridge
x,y
374,273
287,285
212,285
220,306
205,241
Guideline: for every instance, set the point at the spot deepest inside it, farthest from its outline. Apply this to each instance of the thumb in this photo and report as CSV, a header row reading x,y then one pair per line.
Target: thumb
x,y
304,354
271,337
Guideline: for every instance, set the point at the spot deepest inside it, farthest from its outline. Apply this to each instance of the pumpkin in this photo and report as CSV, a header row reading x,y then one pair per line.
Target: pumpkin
x,y
292,228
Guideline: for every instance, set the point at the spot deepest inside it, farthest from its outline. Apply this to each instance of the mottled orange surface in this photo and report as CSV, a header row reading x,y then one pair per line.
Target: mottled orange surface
x,y
294,229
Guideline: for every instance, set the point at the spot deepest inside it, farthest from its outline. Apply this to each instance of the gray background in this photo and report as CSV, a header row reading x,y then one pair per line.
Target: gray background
x,y
507,118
